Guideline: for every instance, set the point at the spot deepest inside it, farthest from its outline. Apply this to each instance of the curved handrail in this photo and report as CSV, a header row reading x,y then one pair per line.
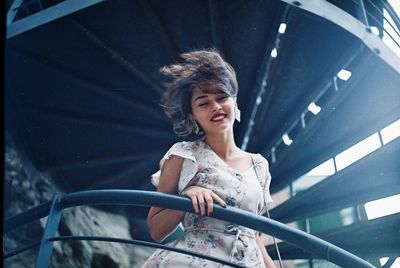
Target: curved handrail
x,y
146,244
35,213
21,249
315,245
120,240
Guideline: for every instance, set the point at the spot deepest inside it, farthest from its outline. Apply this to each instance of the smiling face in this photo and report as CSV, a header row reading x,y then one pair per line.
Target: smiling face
x,y
214,112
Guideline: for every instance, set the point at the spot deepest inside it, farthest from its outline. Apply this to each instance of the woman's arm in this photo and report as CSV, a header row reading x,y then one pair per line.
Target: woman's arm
x,y
267,259
163,221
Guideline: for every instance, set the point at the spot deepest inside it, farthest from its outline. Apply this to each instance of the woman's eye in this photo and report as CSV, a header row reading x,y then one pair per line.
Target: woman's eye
x,y
203,104
224,97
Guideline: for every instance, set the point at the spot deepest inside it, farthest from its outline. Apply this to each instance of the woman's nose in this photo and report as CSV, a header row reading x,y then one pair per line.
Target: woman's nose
x,y
216,106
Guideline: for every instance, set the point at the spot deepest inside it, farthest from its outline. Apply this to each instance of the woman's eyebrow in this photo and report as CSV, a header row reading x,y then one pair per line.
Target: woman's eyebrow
x,y
222,93
200,97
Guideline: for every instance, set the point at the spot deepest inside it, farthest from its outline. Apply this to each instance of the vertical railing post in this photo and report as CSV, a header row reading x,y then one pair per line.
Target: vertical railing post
x,y
13,10
364,13
46,246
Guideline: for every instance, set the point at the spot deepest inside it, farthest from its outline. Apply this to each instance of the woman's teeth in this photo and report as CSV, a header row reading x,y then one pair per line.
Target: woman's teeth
x,y
218,117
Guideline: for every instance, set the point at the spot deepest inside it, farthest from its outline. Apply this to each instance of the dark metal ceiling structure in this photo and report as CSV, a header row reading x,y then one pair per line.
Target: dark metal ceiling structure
x,y
83,90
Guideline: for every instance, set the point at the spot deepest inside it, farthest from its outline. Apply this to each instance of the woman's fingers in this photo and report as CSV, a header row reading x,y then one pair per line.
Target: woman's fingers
x,y
209,200
195,204
201,197
219,200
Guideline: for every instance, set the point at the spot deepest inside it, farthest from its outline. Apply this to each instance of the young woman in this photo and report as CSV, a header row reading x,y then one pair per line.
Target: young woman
x,y
201,101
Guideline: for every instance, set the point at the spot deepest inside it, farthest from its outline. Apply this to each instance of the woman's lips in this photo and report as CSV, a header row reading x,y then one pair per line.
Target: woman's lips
x,y
218,117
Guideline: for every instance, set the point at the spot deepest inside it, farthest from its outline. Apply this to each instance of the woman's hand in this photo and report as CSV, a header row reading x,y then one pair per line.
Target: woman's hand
x,y
201,196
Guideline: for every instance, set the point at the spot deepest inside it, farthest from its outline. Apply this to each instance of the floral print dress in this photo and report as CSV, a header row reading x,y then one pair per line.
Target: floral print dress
x,y
248,190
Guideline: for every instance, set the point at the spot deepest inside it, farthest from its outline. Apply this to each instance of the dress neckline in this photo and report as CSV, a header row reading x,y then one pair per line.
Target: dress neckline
x,y
246,171
228,166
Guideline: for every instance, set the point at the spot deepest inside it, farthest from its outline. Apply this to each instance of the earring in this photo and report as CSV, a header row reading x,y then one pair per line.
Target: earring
x,y
237,114
196,128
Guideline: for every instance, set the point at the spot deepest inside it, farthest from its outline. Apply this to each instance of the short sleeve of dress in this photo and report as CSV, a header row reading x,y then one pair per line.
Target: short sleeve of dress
x,y
189,168
265,181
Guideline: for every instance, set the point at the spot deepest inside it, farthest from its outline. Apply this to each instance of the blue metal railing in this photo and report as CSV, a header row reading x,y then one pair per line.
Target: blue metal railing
x,y
314,245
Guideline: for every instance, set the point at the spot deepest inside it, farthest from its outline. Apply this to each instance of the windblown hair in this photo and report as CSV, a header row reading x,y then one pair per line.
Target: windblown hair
x,y
202,69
